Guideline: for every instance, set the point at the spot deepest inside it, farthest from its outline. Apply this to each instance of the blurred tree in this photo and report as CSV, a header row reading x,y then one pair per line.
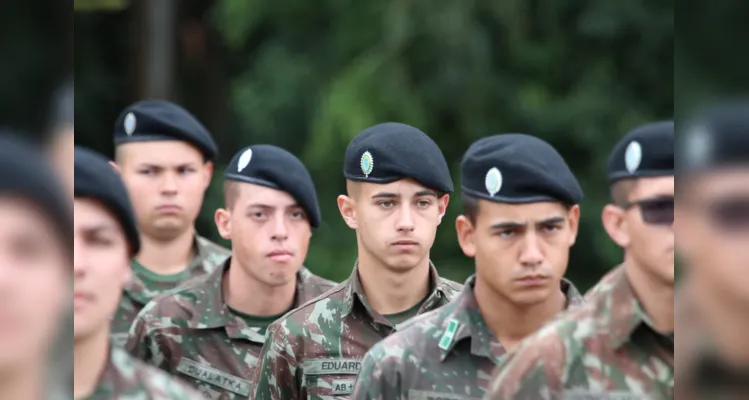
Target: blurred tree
x,y
308,76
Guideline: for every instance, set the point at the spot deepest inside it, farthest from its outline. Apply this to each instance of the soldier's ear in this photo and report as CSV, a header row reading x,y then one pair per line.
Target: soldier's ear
x,y
348,212
222,218
115,167
615,225
442,203
465,235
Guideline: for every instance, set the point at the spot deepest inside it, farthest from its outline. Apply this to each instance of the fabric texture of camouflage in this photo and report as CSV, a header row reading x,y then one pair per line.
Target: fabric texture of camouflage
x,y
192,333
139,292
603,349
315,351
448,353
700,372
125,378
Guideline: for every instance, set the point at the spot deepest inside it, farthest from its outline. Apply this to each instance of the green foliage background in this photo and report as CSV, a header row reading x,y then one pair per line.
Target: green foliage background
x,y
308,76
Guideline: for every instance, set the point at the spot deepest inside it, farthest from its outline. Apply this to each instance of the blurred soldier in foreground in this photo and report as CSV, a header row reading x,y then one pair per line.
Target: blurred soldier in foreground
x,y
211,331
520,218
34,269
398,188
165,157
620,343
105,237
712,221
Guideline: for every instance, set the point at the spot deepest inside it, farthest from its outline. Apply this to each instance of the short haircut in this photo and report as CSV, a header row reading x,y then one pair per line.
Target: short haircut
x,y
231,193
352,188
621,190
470,207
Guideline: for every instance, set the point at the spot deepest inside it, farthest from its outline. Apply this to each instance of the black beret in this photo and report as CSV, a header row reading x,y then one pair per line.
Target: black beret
x,y
517,168
646,151
717,138
276,168
393,151
150,120
96,179
27,173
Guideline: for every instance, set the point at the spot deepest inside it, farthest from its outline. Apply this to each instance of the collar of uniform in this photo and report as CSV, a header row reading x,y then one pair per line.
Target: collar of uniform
x,y
464,310
574,297
204,258
355,294
619,308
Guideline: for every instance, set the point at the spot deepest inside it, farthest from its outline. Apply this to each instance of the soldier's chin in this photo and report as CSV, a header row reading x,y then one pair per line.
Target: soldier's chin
x,y
403,262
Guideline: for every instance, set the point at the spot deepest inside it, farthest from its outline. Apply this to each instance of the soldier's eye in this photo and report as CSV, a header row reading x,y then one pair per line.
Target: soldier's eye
x,y
386,204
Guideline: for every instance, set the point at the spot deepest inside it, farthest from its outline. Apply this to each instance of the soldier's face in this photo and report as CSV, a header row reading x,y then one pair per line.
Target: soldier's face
x,y
269,231
101,267
166,181
645,229
396,222
712,223
61,150
521,250
34,283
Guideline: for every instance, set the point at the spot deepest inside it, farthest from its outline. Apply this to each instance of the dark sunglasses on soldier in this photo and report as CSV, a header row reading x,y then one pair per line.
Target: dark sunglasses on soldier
x,y
730,214
655,211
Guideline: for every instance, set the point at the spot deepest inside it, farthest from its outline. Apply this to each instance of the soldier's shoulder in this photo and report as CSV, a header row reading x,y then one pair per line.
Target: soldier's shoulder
x,y
213,248
563,336
418,337
328,303
309,279
181,302
450,288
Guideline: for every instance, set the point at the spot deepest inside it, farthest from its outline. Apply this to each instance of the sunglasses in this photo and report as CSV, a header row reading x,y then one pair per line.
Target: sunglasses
x,y
655,211
730,214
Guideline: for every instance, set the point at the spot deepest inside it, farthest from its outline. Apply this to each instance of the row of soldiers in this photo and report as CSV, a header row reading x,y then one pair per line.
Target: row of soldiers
x,y
161,312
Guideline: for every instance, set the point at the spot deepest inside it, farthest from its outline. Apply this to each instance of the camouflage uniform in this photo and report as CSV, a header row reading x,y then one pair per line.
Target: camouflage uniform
x,y
139,291
125,378
192,333
604,349
700,373
315,351
448,353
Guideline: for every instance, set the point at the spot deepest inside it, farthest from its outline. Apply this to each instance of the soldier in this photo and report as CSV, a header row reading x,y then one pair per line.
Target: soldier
x,y
106,236
165,157
712,224
210,331
619,344
398,187
520,218
35,257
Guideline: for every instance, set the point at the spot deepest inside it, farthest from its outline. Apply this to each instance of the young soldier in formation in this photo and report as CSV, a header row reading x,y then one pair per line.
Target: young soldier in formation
x,y
398,187
520,218
105,237
210,331
619,345
713,236
165,157
35,255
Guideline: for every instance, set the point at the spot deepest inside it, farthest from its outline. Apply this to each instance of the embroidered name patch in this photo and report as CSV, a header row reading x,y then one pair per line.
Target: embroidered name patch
x,y
213,376
426,395
330,366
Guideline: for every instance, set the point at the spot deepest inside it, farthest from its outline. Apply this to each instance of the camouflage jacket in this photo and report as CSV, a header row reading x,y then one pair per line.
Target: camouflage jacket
x,y
136,295
125,378
448,353
603,349
315,351
191,333
700,372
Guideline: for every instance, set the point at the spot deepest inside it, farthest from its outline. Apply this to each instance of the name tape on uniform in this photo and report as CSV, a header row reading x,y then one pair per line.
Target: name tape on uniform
x,y
427,395
214,376
329,366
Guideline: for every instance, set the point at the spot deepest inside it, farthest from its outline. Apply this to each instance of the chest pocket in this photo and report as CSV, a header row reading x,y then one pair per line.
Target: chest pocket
x,y
330,379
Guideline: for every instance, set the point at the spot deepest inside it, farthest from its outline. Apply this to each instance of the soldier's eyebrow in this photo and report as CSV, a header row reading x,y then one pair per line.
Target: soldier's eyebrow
x,y
427,192
389,195
386,195
550,221
95,229
517,224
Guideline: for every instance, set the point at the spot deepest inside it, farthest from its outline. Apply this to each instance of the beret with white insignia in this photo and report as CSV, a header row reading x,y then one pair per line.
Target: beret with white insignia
x,y
276,168
517,168
393,151
646,151
156,120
